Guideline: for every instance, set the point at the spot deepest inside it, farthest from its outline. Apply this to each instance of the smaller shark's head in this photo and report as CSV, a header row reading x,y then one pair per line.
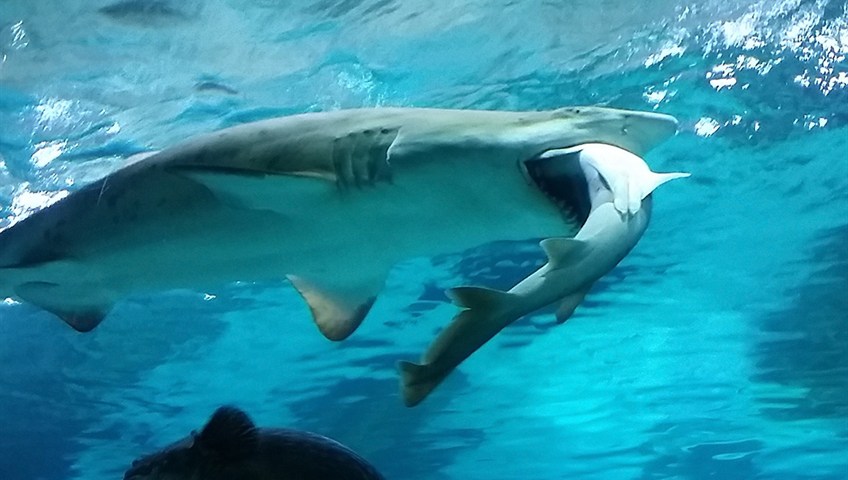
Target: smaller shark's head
x,y
227,439
628,177
580,178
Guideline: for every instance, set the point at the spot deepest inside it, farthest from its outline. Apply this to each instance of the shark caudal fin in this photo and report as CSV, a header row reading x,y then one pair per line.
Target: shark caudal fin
x,y
486,313
417,381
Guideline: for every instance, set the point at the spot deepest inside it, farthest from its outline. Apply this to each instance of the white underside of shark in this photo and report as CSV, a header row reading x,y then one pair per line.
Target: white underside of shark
x,y
329,201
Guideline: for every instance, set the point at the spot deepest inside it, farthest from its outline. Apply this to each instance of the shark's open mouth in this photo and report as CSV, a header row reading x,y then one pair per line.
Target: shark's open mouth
x,y
560,177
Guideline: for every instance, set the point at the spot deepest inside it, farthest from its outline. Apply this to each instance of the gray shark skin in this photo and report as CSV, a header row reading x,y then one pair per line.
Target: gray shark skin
x,y
231,447
329,201
618,186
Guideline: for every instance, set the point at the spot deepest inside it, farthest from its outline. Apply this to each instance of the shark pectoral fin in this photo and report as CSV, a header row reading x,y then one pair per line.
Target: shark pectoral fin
x,y
568,305
486,313
82,311
336,312
657,179
561,251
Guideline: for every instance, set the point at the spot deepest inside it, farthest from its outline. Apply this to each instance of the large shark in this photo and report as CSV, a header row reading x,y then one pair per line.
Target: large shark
x,y
329,201
616,185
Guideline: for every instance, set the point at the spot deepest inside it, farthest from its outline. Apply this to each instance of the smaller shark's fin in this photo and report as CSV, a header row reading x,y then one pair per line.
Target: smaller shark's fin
x,y
632,191
479,298
67,305
417,381
658,179
568,305
561,251
336,313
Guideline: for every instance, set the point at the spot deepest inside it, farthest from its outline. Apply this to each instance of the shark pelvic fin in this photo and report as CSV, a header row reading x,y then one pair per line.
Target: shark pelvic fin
x,y
336,313
78,309
561,251
568,305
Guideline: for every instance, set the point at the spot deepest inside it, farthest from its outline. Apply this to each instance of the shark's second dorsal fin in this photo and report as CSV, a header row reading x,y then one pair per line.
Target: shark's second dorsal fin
x,y
562,250
336,313
81,310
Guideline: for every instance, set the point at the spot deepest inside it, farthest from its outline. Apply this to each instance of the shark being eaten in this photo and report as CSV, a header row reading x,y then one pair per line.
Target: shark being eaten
x,y
613,188
331,201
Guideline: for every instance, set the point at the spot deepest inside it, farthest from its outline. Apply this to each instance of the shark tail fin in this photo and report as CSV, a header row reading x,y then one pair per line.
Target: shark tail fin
x,y
417,381
486,312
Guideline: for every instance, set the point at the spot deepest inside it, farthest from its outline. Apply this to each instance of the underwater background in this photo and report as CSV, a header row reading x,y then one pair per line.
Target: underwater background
x,y
717,349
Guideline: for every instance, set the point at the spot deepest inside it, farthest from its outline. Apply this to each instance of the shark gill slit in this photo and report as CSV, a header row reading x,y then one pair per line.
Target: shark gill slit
x,y
361,158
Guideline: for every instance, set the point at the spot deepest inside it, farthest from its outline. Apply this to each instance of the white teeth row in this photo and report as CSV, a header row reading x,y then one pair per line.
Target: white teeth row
x,y
361,158
567,211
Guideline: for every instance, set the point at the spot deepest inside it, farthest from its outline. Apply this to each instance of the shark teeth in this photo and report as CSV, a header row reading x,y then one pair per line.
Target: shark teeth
x,y
563,182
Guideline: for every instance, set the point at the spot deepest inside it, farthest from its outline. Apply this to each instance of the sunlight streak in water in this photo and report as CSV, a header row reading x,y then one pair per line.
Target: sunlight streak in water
x,y
53,109
806,34
46,152
27,201
706,126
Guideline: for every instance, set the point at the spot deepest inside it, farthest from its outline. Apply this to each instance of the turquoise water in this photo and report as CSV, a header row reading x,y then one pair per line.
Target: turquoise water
x,y
717,349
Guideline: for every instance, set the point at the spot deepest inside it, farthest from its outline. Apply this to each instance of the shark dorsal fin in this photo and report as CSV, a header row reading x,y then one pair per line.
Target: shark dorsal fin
x,y
562,250
335,314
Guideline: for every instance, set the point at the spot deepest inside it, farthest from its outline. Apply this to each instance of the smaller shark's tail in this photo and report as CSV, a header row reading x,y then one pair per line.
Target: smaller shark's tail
x,y
486,312
417,381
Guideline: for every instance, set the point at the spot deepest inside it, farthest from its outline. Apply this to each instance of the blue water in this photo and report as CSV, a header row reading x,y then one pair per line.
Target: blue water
x,y
717,349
